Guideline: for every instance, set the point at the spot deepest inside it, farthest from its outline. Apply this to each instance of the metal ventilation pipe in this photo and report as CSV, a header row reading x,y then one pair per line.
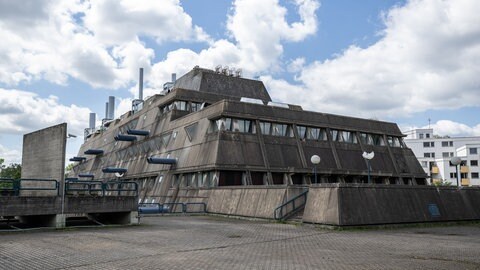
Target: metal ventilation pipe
x,y
106,110
174,77
92,121
140,85
111,107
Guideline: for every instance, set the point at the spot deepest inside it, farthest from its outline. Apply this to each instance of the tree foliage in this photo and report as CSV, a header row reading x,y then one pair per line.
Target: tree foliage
x,y
13,170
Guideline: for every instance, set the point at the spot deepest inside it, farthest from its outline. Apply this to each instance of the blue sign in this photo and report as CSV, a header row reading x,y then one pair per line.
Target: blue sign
x,y
433,210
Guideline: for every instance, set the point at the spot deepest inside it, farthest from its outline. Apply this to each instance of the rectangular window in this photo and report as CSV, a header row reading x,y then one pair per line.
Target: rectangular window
x,y
426,155
432,155
427,135
453,175
473,151
474,163
366,138
302,132
265,128
447,143
378,140
420,135
196,106
313,133
474,175
445,154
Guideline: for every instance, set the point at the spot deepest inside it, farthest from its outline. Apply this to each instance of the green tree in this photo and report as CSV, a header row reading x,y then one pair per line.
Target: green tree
x,y
68,169
13,170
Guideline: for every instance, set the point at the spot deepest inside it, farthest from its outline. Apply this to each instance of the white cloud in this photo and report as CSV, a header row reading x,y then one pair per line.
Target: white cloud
x,y
260,26
258,29
97,42
451,128
427,58
116,22
10,155
447,128
23,112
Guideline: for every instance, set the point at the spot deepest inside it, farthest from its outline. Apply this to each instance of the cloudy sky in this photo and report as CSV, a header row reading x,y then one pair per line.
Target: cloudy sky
x,y
400,61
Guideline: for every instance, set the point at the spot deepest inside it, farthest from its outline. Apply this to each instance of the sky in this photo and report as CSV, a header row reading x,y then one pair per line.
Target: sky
x,y
412,62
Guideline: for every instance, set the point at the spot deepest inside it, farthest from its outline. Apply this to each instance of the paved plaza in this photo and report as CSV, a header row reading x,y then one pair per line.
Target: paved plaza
x,y
209,242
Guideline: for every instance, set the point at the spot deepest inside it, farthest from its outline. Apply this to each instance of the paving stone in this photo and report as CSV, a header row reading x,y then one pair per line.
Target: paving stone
x,y
210,242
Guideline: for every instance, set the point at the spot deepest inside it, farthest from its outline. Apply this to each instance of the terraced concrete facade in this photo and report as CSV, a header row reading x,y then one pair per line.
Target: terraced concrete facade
x,y
224,132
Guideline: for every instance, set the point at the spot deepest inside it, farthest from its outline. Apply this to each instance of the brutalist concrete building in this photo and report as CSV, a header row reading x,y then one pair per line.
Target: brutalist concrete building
x,y
213,134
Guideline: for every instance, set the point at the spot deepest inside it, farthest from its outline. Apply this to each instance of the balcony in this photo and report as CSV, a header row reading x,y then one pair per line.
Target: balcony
x,y
465,182
435,169
464,169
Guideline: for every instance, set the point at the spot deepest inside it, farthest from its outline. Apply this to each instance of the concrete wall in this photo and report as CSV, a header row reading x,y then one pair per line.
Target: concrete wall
x,y
44,157
100,204
340,204
249,202
23,206
34,206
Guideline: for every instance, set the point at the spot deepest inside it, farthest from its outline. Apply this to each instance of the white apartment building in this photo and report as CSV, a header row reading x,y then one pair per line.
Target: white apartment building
x,y
435,152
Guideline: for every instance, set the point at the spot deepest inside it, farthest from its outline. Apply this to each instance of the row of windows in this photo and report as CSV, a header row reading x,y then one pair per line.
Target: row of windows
x,y
304,132
474,175
234,124
180,105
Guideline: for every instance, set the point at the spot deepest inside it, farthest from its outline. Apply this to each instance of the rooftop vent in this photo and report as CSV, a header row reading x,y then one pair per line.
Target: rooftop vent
x,y
278,104
251,100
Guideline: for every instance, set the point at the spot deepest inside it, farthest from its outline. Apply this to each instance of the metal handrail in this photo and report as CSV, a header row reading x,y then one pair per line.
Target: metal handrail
x,y
16,185
144,208
278,213
121,185
9,185
99,186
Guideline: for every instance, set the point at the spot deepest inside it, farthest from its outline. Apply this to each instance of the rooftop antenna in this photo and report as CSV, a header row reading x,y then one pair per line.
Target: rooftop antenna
x,y
429,122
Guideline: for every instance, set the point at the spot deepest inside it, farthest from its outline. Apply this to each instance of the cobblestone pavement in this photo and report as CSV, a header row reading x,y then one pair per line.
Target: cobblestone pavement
x,y
209,242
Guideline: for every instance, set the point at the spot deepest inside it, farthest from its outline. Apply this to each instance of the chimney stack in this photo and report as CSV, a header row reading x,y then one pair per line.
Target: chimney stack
x,y
92,121
106,110
111,107
140,85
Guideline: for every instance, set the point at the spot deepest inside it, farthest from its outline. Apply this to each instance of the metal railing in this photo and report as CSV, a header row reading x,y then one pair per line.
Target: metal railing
x,y
13,187
291,206
99,188
172,208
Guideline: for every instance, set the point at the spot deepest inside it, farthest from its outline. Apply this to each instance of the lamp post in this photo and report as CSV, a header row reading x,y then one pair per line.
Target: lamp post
x,y
456,161
368,157
315,159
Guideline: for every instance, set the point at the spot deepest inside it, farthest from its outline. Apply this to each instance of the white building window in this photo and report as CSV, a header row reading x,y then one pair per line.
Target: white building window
x,y
474,175
473,151
473,163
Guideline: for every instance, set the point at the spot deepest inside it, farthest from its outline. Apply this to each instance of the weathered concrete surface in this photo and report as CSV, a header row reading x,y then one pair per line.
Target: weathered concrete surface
x,y
100,204
322,206
43,157
24,206
248,201
366,205
36,206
